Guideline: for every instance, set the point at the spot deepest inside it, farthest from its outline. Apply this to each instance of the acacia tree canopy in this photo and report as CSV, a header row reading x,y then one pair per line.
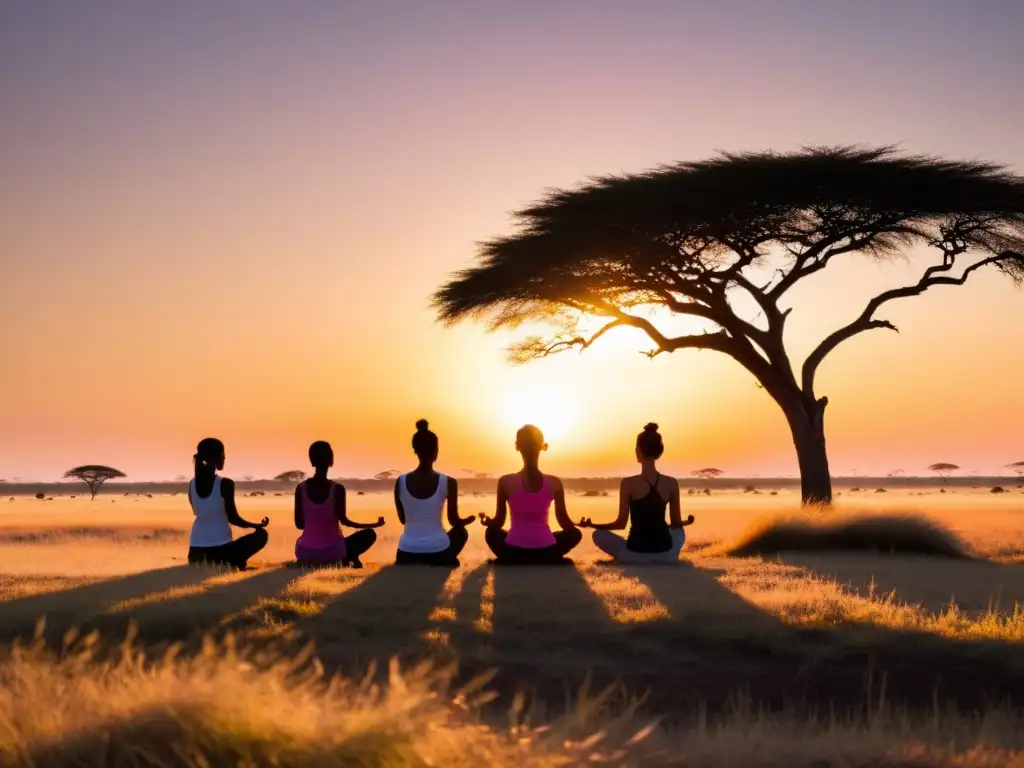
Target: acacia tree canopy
x,y
705,239
94,476
291,476
708,472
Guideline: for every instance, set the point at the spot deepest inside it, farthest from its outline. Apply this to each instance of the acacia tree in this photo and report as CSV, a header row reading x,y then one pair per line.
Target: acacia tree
x,y
943,469
708,473
291,476
1018,467
94,476
705,240
387,474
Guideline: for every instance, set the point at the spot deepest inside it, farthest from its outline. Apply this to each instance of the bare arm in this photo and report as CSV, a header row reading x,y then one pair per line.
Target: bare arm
x,y
227,492
619,523
561,513
300,520
453,506
675,515
501,511
398,503
343,517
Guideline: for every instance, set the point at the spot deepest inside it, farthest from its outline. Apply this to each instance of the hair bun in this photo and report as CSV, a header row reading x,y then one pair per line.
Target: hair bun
x,y
422,425
650,427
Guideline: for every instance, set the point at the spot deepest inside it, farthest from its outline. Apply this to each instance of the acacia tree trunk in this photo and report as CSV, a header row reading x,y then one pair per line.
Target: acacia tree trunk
x,y
806,422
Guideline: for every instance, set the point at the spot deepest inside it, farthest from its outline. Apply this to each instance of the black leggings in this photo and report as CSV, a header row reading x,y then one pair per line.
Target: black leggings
x,y
235,553
358,543
565,541
457,538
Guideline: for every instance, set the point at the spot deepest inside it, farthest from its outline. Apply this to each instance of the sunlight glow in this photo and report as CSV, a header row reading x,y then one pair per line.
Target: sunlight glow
x,y
542,405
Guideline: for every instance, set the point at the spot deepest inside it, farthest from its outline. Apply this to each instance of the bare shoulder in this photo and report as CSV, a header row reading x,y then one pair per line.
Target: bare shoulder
x,y
555,483
505,481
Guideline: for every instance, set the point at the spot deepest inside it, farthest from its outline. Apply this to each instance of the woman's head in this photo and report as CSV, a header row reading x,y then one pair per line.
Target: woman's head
x,y
424,442
648,444
209,457
530,442
321,455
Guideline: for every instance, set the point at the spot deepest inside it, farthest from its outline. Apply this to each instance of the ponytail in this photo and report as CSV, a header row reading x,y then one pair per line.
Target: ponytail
x,y
204,460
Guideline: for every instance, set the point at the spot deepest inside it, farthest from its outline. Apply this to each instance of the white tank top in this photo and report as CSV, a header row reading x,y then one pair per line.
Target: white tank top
x,y
423,532
210,528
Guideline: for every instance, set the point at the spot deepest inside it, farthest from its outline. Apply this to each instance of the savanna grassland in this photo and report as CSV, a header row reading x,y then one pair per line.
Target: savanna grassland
x,y
787,659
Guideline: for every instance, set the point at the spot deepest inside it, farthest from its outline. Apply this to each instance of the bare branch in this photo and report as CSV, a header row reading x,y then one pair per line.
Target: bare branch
x,y
865,321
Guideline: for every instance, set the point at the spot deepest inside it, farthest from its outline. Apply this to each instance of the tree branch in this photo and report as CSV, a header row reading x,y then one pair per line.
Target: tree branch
x,y
866,322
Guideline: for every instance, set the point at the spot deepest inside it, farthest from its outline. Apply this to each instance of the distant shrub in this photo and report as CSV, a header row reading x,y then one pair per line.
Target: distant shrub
x,y
40,496
885,534
942,490
690,491
998,489
360,493
774,493
707,491
593,493
749,489
880,490
854,490
71,497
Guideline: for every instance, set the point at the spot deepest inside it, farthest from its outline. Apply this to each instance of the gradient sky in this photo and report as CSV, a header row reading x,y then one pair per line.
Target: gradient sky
x,y
227,218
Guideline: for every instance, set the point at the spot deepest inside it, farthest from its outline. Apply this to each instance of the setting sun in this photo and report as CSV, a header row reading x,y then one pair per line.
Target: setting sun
x,y
553,411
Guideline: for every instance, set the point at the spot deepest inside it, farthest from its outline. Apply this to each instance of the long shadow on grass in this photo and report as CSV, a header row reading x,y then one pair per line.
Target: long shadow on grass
x,y
844,664
80,604
974,586
385,615
540,629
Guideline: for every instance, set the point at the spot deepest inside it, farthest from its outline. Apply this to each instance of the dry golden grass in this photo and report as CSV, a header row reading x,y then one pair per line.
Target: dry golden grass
x,y
223,707
865,632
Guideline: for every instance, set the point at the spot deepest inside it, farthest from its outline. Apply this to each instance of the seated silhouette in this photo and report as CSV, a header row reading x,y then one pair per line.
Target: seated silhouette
x,y
419,497
320,510
526,497
642,502
213,503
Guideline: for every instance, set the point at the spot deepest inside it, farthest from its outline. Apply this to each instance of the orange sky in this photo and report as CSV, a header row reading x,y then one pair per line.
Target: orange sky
x,y
226,222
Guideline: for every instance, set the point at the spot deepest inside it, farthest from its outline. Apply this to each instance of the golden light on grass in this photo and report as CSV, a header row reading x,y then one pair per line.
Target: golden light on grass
x,y
627,599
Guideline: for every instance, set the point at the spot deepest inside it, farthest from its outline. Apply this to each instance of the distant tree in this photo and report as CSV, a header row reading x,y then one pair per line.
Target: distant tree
x,y
708,473
1018,467
943,470
181,479
721,242
387,474
41,496
291,476
896,473
94,476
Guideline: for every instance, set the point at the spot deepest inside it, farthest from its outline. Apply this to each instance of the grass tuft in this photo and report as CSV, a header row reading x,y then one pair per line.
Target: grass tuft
x,y
881,534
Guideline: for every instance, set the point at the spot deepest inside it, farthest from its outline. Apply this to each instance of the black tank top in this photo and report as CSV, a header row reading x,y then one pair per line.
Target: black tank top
x,y
648,528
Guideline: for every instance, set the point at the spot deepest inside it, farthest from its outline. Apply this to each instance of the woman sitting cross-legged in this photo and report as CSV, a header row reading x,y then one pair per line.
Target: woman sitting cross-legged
x,y
642,502
213,503
526,497
419,497
319,509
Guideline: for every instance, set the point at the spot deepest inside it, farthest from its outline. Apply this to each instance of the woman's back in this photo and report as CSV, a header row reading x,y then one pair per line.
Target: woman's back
x,y
210,527
423,532
648,526
529,512
320,519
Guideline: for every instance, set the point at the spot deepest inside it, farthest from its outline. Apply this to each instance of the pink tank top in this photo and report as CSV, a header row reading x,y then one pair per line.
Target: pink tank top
x,y
321,520
529,513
